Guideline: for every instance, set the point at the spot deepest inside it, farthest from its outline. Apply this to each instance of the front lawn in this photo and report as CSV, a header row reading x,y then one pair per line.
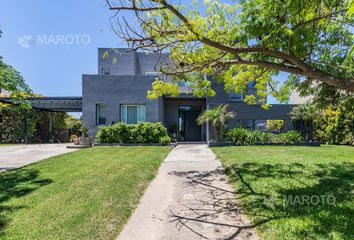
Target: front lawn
x,y
294,192
87,194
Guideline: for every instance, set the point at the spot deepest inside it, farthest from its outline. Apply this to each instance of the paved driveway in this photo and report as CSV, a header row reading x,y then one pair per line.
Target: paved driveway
x,y
190,198
20,155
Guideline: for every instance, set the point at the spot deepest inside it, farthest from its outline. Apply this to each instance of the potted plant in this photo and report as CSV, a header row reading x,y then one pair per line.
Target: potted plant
x,y
85,139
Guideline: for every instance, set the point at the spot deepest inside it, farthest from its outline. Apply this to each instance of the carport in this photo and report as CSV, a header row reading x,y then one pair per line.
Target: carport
x,y
50,104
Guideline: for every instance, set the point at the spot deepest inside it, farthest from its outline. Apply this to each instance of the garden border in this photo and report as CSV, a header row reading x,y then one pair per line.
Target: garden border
x,y
226,144
132,144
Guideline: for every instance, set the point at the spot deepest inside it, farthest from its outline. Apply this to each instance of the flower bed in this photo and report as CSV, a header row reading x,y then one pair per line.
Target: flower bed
x,y
244,137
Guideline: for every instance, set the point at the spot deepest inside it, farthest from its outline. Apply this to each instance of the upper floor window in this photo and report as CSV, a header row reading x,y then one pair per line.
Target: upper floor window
x,y
106,71
100,114
132,114
235,96
251,84
152,73
183,84
160,74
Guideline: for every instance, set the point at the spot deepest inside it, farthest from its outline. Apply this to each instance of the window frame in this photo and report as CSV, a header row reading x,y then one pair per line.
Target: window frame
x,y
152,73
106,68
233,99
137,112
98,115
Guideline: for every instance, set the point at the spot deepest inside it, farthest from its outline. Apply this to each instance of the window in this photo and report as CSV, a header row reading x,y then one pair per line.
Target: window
x,y
100,114
152,73
246,123
106,71
235,96
183,84
251,84
270,125
132,114
262,124
159,74
275,125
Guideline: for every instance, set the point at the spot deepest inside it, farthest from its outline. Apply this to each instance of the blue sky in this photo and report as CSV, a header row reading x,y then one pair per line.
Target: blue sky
x,y
55,69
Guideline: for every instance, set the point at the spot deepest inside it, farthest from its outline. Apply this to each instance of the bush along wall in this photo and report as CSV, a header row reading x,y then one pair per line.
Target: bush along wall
x,y
141,133
242,136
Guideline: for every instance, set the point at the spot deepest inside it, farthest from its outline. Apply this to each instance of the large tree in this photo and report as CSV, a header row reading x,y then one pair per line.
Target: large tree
x,y
11,80
245,40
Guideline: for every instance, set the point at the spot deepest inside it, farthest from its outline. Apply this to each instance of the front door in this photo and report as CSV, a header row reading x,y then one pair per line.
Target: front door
x,y
188,128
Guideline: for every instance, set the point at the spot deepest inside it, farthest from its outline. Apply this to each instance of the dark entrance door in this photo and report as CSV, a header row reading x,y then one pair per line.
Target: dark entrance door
x,y
189,130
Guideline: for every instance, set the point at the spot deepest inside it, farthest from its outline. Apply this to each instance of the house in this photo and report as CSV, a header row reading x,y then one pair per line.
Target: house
x,y
118,93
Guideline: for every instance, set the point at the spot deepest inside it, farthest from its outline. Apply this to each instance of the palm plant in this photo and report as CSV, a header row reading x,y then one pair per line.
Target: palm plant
x,y
304,113
217,116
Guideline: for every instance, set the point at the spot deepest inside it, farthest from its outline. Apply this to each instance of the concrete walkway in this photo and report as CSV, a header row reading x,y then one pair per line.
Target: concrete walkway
x,y
189,199
16,156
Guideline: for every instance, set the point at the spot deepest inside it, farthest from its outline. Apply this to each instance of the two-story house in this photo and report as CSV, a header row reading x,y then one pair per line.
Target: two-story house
x,y
118,92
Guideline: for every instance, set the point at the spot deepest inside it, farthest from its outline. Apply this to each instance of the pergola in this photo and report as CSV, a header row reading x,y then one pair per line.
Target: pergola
x,y
50,104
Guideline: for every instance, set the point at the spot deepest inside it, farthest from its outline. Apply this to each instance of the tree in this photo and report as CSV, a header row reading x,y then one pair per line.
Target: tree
x,y
243,41
303,116
217,116
11,80
335,124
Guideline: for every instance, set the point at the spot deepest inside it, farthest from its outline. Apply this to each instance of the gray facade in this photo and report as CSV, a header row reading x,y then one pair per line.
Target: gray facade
x,y
127,83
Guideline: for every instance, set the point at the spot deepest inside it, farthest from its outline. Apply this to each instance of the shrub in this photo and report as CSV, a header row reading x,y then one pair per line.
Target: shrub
x,y
238,136
143,132
242,136
84,130
260,137
164,140
290,137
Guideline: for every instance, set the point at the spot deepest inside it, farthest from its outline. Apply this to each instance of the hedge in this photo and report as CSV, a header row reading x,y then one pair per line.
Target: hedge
x,y
143,132
242,136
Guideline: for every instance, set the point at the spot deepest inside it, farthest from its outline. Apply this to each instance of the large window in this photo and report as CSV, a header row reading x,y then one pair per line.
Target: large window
x,y
132,114
235,96
100,114
159,74
262,124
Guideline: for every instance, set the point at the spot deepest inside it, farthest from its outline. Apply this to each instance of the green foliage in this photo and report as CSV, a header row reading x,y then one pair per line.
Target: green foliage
x,y
164,140
143,132
83,192
84,130
238,136
266,176
326,126
12,120
12,124
257,136
275,125
11,80
251,40
241,136
217,116
290,137
336,125
304,112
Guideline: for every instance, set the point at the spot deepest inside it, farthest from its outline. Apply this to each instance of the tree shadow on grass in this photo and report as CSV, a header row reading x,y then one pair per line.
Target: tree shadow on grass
x,y
15,184
319,197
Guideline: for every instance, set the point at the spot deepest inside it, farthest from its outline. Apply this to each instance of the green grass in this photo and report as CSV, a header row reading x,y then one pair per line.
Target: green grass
x,y
87,194
265,179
